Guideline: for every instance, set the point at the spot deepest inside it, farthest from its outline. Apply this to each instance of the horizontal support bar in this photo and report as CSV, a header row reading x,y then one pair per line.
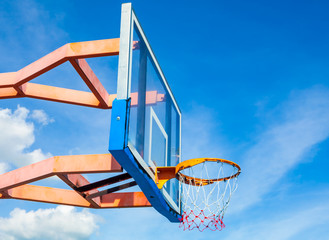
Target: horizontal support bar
x,y
8,92
48,195
107,47
104,182
111,190
124,200
57,94
71,198
97,48
7,79
76,97
94,163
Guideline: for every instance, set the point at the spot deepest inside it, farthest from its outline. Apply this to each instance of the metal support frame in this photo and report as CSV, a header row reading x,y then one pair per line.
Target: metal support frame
x,y
15,184
69,168
17,85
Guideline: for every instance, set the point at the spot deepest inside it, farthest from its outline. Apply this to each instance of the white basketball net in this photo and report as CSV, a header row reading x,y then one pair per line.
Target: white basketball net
x,y
204,206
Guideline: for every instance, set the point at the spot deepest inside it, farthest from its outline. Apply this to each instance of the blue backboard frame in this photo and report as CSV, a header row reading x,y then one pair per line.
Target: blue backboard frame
x,y
119,146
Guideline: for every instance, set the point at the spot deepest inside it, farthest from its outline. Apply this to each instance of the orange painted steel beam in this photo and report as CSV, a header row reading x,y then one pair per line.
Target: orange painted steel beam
x,y
16,85
125,199
76,97
68,168
57,94
88,49
8,92
89,77
96,163
72,198
40,66
77,180
27,174
93,163
48,195
7,79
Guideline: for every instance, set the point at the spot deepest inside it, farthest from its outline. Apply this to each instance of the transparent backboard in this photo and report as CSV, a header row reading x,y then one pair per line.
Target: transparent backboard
x,y
154,126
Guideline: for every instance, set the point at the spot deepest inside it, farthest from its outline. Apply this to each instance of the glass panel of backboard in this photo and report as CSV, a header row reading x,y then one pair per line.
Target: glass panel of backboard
x,y
154,135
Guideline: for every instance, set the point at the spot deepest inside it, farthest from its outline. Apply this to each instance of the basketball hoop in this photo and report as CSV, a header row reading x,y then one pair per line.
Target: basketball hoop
x,y
208,186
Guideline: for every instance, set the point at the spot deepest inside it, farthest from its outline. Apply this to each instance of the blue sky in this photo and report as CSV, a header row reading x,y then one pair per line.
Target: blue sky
x,y
251,79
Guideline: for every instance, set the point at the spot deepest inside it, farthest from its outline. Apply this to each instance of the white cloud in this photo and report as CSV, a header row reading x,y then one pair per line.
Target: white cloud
x,y
3,167
300,123
41,117
62,222
17,136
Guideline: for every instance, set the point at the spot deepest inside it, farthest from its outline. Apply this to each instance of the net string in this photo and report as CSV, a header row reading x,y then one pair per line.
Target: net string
x,y
204,206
